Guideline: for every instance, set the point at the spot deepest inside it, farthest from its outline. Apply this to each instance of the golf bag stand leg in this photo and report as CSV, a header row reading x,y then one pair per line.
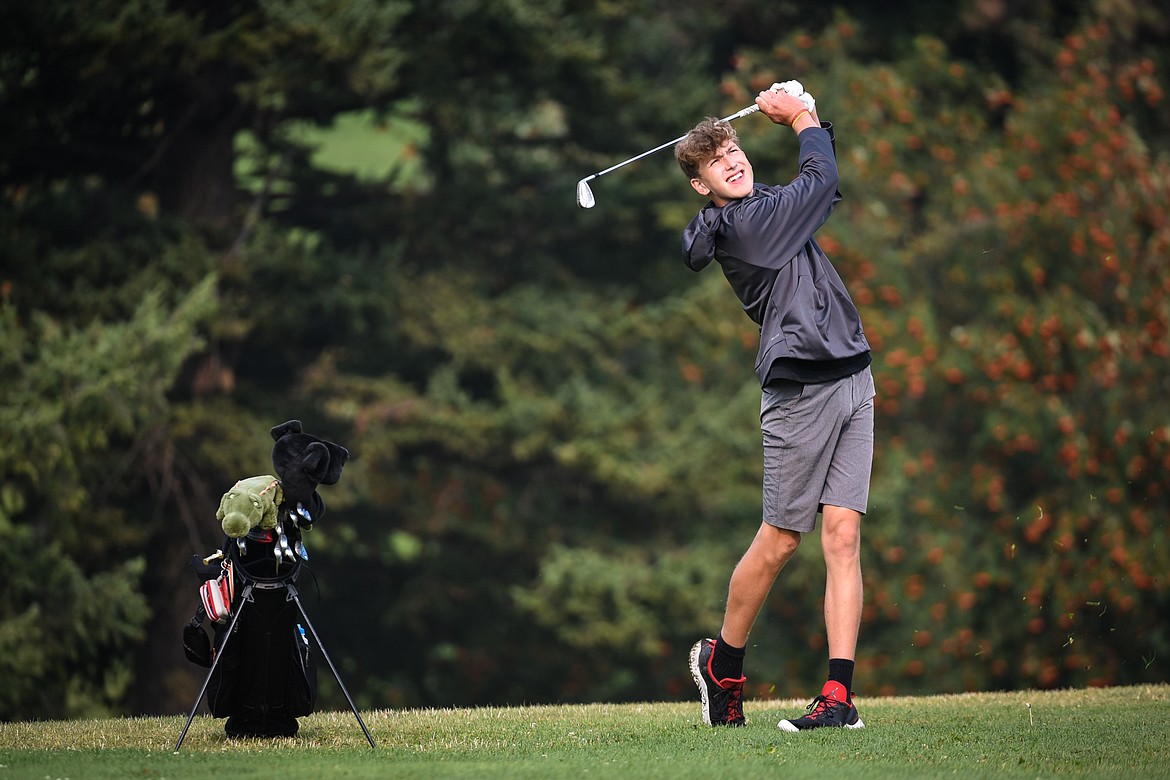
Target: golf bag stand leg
x,y
245,597
294,597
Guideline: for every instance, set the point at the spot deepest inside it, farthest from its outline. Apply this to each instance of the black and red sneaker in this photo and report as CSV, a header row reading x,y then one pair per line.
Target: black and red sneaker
x,y
722,700
833,708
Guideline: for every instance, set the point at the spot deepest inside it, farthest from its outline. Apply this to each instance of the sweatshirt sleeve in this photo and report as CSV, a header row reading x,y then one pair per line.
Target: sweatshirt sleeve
x,y
770,228
698,242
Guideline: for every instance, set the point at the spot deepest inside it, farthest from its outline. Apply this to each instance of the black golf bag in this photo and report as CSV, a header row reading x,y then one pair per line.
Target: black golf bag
x,y
262,675
266,676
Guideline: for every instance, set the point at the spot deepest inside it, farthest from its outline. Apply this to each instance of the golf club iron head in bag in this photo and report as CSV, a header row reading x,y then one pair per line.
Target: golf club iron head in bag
x,y
585,197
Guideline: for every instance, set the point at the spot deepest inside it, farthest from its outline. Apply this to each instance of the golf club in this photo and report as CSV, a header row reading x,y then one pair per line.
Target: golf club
x,y
585,197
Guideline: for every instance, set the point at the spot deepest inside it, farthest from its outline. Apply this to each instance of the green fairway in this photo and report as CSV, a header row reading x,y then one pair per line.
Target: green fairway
x,y
1117,732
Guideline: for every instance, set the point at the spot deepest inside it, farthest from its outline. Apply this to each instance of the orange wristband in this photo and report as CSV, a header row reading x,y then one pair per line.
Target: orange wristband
x,y
795,118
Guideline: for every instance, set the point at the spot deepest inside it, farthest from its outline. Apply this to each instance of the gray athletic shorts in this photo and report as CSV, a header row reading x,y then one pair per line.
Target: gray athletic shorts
x,y
818,448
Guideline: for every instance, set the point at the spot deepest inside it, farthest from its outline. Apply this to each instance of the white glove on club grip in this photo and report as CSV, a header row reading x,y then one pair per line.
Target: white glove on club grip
x,y
796,89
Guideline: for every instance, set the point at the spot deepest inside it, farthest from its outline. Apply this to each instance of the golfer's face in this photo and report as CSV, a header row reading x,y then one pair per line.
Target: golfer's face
x,y
725,177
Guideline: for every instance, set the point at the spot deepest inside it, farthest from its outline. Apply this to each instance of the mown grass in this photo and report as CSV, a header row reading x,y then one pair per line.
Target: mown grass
x,y
1116,732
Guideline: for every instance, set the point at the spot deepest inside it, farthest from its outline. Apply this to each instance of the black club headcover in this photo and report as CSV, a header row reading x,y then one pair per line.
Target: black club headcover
x,y
303,461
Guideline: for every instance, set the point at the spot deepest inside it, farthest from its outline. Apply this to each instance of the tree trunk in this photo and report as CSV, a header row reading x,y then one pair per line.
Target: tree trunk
x,y
196,175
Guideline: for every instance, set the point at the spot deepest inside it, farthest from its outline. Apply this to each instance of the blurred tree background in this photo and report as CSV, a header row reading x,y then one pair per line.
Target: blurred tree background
x,y
216,218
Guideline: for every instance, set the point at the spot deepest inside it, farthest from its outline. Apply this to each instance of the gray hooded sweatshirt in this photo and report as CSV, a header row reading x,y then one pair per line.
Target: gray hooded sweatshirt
x,y
810,330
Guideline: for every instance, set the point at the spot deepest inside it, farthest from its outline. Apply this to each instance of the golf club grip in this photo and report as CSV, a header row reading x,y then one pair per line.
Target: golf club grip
x,y
753,108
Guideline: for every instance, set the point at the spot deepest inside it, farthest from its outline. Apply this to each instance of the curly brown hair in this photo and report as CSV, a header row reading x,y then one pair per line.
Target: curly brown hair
x,y
702,143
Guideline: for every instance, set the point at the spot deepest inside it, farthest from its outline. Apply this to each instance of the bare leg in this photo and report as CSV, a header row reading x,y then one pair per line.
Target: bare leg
x,y
841,541
752,580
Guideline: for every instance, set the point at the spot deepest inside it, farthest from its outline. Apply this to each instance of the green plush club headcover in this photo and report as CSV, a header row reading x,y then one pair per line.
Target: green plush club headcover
x,y
251,503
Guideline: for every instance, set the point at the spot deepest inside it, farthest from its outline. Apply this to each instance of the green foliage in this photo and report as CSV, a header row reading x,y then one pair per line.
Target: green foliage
x,y
554,424
593,397
66,637
76,399
1005,254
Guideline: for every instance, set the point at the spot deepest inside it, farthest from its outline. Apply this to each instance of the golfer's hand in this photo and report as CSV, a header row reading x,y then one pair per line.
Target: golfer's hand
x,y
781,107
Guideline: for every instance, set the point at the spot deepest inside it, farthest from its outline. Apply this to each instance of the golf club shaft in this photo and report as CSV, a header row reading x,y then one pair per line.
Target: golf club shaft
x,y
738,114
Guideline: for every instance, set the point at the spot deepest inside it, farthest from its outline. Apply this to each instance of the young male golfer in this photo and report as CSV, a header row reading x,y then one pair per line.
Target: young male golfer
x,y
817,408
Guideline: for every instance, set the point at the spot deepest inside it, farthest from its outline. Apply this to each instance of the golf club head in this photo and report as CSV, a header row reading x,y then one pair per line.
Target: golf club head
x,y
585,195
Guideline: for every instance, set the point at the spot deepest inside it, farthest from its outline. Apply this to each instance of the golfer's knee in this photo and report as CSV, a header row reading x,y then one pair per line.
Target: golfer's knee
x,y
841,540
776,546
838,551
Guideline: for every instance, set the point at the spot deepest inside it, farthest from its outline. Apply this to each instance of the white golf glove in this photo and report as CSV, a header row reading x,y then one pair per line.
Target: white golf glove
x,y
796,89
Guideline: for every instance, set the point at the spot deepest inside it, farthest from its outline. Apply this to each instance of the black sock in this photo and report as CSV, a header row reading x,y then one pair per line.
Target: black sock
x,y
841,670
727,661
